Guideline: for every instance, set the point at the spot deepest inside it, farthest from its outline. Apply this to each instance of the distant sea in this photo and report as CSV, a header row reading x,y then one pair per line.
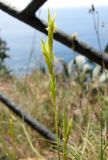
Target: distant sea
x,y
24,41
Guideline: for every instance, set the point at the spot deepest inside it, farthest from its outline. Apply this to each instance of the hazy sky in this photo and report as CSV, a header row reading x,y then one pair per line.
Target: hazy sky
x,y
61,3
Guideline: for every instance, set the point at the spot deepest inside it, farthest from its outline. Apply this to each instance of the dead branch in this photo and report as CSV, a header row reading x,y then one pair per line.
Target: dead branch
x,y
33,123
59,35
33,6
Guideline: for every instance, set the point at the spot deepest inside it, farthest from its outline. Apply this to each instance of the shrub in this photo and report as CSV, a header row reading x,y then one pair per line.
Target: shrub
x,y
4,71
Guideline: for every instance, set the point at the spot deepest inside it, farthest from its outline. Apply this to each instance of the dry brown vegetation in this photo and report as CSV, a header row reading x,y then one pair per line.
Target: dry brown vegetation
x,y
84,107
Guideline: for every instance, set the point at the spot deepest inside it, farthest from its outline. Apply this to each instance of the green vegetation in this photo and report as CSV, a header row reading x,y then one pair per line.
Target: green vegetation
x,y
47,49
4,71
106,48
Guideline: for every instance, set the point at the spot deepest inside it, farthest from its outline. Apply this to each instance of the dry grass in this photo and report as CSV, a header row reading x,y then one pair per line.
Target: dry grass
x,y
33,95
